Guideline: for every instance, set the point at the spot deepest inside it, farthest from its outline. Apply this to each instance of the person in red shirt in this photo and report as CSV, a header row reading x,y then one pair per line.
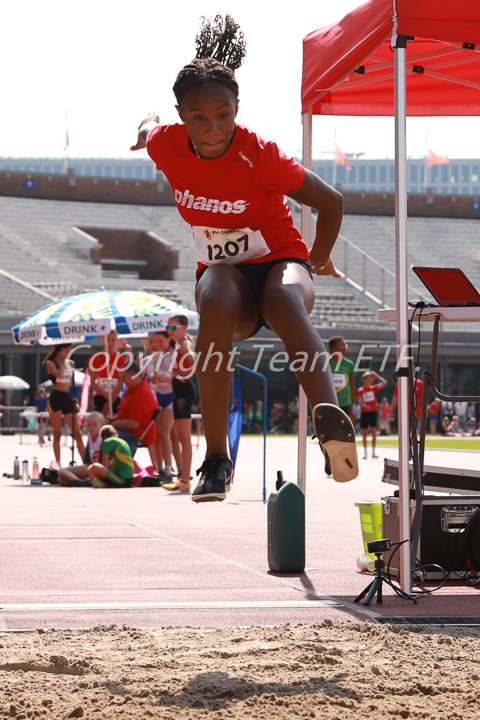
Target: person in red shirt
x,y
434,416
134,420
253,267
367,397
418,403
418,399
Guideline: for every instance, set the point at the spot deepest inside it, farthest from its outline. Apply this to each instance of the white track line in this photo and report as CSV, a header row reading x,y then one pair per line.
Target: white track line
x,y
31,607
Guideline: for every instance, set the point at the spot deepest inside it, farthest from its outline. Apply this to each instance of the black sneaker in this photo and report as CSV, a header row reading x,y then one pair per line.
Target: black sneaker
x,y
163,478
335,433
215,476
328,469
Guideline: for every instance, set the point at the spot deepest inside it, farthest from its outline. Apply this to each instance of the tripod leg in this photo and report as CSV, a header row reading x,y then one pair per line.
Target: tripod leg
x,y
400,592
375,587
364,592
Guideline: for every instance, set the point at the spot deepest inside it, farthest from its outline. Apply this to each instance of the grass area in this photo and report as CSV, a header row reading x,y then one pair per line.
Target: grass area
x,y
436,442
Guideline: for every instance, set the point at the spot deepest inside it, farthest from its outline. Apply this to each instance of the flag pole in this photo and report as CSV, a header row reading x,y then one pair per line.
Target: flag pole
x,y
67,143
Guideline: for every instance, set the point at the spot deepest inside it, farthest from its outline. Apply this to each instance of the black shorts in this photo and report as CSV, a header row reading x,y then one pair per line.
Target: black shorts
x,y
183,396
62,401
368,420
256,274
100,404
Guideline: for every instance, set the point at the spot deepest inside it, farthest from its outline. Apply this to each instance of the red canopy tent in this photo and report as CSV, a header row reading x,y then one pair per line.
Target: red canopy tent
x,y
393,57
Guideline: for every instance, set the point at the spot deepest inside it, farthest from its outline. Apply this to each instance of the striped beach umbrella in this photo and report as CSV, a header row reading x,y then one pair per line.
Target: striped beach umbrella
x,y
86,316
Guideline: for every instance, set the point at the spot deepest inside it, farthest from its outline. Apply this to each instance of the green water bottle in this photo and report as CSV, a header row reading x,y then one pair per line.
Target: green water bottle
x,y
286,528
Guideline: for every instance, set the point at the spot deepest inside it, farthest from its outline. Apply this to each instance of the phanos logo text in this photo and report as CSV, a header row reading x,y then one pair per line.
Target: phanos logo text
x,y
225,207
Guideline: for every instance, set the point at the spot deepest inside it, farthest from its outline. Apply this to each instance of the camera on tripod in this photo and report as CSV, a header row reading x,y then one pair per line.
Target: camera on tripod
x,y
379,546
375,588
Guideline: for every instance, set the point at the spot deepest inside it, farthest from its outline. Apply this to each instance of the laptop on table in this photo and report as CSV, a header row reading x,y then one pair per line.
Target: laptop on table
x,y
449,286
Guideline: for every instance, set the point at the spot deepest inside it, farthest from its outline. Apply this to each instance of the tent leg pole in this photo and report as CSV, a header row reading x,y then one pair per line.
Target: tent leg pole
x,y
307,236
403,351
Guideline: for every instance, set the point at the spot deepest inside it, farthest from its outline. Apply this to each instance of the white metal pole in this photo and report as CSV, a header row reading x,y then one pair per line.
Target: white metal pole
x,y
306,230
402,306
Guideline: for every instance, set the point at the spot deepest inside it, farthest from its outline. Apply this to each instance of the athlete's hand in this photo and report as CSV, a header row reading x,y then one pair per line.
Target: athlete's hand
x,y
144,129
327,269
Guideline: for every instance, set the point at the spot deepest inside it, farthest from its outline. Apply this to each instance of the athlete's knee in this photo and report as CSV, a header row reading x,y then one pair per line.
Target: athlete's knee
x,y
283,305
220,306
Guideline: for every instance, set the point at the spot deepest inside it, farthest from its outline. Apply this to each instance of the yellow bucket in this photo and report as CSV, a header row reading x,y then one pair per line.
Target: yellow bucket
x,y
371,522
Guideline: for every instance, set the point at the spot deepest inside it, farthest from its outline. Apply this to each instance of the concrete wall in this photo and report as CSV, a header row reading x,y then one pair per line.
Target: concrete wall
x,y
85,189
429,205
158,192
161,260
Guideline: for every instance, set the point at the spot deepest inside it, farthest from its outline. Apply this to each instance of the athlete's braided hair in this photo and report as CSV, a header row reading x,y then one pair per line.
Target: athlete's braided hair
x,y
220,50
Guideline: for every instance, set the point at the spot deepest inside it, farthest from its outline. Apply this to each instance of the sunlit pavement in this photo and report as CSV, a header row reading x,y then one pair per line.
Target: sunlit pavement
x,y
79,557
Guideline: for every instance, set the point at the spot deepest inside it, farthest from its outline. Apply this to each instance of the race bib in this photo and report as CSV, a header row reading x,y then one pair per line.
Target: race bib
x,y
339,380
214,245
368,396
106,382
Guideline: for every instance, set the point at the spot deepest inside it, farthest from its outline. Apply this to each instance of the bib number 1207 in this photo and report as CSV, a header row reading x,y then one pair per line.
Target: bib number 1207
x,y
230,249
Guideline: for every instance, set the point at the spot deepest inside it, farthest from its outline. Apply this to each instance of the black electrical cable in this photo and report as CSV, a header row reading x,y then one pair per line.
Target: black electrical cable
x,y
413,440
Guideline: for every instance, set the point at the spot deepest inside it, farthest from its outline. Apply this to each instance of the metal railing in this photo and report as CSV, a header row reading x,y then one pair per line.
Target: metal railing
x,y
368,275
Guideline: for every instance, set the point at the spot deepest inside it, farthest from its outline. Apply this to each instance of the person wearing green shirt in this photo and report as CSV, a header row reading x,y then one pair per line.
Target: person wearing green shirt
x,y
343,372
115,469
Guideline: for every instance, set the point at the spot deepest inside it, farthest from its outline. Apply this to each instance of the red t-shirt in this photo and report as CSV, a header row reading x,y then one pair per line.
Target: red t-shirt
x,y
138,404
418,396
107,374
369,397
385,410
243,190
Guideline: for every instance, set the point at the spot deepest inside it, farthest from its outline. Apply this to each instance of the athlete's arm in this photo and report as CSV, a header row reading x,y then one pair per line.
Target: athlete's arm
x,y
144,129
52,369
328,203
105,461
95,385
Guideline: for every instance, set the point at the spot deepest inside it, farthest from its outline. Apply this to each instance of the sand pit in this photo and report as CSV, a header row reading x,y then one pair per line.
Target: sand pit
x,y
332,670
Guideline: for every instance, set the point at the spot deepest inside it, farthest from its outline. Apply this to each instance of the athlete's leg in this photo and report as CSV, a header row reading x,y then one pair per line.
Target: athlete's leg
x,y
56,423
286,301
184,430
227,312
374,440
71,420
164,426
364,432
72,473
176,449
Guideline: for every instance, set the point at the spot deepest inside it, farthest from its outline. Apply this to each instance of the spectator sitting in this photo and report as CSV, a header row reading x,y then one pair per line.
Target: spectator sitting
x,y
445,427
116,467
77,475
472,427
455,426
136,412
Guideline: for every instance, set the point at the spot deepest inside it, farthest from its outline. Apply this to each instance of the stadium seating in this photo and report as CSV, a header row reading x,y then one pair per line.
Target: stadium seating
x,y
38,246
